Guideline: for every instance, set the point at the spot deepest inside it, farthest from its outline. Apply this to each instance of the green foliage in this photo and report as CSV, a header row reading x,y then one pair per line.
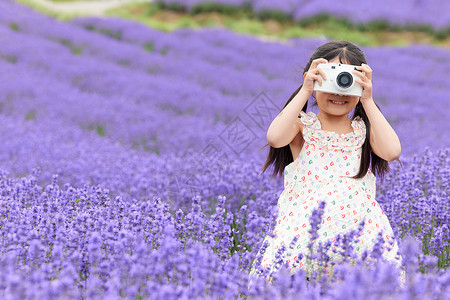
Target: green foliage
x,y
377,25
425,28
14,26
98,128
216,118
117,35
244,20
186,22
143,145
78,200
111,33
209,6
315,20
245,12
442,34
164,51
274,14
106,31
245,26
157,5
89,27
171,6
149,46
9,58
395,28
31,115
124,62
443,261
77,50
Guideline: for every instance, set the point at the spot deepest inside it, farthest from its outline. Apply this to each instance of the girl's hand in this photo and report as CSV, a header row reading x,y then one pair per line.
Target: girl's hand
x,y
365,82
313,74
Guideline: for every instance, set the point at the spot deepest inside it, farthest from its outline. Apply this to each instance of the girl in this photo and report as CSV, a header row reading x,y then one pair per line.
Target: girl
x,y
336,161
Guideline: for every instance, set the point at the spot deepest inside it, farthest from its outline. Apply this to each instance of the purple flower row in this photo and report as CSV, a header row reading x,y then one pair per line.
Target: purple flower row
x,y
60,241
402,12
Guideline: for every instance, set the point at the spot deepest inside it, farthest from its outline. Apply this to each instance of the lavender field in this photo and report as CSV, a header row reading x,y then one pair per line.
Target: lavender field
x,y
131,162
400,12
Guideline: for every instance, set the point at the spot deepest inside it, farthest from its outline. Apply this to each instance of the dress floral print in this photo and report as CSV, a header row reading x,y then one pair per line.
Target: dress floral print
x,y
323,171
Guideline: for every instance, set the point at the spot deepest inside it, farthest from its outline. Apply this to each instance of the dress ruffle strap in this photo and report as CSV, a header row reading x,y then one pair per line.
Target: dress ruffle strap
x,y
309,119
313,133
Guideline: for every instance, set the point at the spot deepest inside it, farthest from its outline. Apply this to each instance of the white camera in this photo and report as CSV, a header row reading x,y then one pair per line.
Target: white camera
x,y
340,80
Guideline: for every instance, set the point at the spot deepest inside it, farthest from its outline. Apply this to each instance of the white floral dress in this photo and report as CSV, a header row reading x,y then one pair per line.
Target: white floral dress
x,y
323,171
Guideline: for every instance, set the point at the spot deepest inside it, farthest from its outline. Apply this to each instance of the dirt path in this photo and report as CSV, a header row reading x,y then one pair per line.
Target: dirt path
x,y
92,8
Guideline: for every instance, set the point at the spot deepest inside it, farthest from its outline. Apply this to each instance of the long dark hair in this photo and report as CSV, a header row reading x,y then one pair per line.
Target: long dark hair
x,y
281,157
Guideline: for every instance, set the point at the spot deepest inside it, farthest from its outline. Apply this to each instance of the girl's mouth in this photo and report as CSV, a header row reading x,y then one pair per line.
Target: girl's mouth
x,y
338,102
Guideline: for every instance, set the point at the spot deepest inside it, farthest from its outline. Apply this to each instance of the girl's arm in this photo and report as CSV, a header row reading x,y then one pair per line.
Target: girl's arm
x,y
383,139
286,126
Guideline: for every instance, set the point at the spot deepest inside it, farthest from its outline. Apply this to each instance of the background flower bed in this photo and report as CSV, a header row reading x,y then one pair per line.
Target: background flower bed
x,y
123,114
364,14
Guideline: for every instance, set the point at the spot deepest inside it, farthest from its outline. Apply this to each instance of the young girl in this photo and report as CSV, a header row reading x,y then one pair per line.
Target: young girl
x,y
336,161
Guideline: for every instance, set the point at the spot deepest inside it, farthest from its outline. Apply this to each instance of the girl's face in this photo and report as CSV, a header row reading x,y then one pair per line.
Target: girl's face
x,y
334,104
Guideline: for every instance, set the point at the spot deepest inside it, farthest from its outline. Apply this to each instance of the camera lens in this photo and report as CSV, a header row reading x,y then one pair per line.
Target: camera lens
x,y
344,80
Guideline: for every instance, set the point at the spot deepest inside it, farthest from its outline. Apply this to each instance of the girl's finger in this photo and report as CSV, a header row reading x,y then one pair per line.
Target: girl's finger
x,y
318,61
363,84
322,72
366,69
317,78
315,71
361,75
